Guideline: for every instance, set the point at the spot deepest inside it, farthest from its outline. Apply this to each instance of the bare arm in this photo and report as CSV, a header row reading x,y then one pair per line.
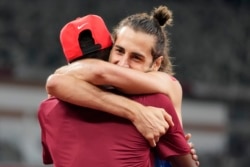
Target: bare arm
x,y
127,80
185,160
149,121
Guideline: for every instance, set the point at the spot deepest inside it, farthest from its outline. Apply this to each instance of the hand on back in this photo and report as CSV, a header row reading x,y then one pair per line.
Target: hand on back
x,y
193,151
152,123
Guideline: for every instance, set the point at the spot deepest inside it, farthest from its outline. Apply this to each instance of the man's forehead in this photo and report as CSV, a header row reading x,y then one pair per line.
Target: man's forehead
x,y
134,42
130,50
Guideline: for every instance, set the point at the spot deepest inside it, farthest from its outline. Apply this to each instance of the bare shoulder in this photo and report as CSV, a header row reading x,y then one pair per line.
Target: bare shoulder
x,y
170,82
175,91
176,84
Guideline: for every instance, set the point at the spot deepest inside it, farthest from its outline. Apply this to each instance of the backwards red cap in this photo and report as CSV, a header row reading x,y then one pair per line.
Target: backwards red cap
x,y
70,33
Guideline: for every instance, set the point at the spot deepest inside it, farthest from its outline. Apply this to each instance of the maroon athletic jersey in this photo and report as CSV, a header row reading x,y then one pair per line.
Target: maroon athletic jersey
x,y
74,136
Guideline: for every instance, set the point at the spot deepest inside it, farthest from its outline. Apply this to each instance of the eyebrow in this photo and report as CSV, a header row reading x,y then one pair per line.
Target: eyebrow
x,y
118,47
138,54
132,53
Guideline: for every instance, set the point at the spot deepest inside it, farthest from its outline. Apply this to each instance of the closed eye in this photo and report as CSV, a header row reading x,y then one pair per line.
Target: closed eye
x,y
119,50
137,57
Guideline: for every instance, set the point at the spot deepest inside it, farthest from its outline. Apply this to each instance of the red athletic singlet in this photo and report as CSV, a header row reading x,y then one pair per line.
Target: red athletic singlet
x,y
73,136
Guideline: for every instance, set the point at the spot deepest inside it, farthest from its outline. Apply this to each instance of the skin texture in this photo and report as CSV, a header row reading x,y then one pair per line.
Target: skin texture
x,y
127,53
131,51
149,121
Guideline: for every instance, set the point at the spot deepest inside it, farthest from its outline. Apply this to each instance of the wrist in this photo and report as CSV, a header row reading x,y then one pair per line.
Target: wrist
x,y
134,111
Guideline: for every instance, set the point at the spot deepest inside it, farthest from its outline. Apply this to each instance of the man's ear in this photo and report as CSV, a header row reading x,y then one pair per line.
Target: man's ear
x,y
157,63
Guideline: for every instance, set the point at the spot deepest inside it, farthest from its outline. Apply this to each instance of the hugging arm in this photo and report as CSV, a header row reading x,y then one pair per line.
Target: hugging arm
x,y
127,80
69,84
184,160
151,122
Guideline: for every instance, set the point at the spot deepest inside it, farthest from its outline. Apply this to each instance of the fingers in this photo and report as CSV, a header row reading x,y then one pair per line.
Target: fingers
x,y
195,157
152,143
191,145
188,136
168,118
152,125
194,154
193,151
157,139
197,163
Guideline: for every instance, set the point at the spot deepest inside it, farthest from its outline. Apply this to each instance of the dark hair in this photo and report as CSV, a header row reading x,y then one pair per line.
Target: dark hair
x,y
90,49
153,24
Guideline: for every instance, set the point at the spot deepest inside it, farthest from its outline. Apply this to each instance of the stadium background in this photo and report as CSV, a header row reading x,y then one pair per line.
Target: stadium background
x,y
210,46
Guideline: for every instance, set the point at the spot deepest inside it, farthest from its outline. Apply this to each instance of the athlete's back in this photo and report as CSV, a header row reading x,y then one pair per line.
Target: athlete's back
x,y
79,136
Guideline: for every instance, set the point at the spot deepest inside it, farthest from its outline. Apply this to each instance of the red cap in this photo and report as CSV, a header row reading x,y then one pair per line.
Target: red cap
x,y
70,33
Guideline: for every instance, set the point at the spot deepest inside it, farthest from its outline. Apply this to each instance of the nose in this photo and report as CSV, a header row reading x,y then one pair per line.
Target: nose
x,y
123,62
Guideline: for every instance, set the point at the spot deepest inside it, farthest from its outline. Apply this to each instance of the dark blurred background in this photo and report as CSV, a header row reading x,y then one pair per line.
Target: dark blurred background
x,y
210,47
